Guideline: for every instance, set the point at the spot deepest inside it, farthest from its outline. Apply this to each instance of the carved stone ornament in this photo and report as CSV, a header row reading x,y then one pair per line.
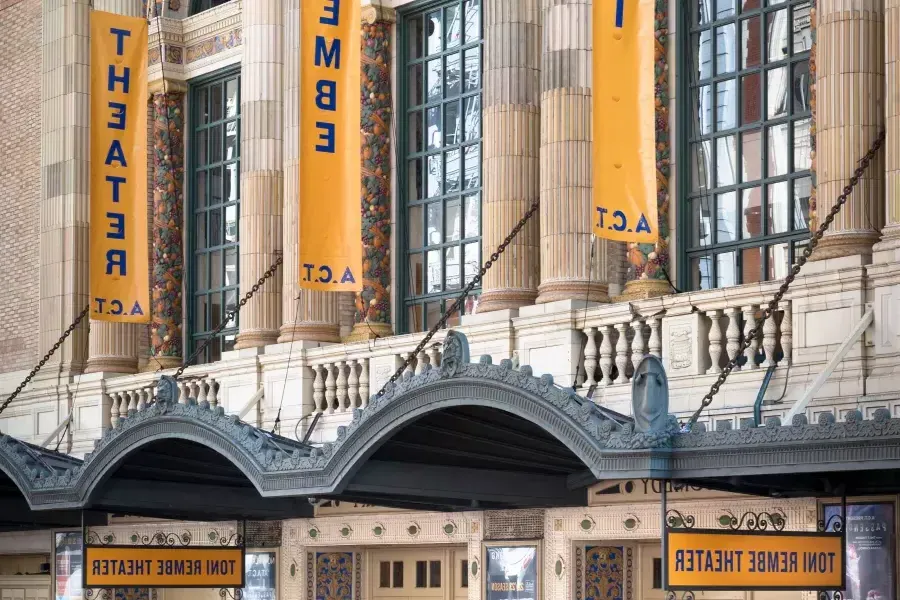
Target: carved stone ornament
x,y
650,395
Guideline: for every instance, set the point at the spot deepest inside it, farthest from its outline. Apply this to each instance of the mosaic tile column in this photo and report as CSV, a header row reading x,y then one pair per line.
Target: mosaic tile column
x,y
315,316
262,168
113,347
850,66
372,317
567,270
166,234
891,232
512,144
648,264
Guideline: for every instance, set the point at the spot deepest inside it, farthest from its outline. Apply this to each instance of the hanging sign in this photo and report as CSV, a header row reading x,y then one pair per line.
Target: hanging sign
x,y
330,165
624,108
163,567
511,573
703,559
259,571
119,259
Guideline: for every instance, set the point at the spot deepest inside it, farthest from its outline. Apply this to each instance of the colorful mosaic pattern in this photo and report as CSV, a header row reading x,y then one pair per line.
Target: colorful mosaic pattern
x,y
214,45
373,304
649,261
167,253
813,221
334,576
604,575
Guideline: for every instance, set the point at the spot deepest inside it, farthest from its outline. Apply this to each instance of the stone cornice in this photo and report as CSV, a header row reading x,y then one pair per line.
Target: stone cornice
x,y
372,13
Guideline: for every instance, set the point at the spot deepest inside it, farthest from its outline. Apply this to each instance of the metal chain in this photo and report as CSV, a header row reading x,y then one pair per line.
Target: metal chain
x,y
461,298
782,290
47,356
229,316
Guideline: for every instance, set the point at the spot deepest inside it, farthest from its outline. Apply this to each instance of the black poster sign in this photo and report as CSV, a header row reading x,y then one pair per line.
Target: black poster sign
x,y
870,550
259,568
511,573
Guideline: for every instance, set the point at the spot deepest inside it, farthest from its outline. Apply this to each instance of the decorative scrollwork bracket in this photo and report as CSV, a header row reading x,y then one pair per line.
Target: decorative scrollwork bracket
x,y
753,521
835,595
234,594
834,523
686,595
676,520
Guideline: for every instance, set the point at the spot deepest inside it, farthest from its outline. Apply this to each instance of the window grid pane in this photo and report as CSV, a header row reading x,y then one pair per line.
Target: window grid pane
x,y
442,196
214,209
748,134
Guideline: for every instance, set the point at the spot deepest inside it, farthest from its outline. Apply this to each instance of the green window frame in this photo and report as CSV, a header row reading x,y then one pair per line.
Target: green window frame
x,y
440,141
745,131
213,211
198,6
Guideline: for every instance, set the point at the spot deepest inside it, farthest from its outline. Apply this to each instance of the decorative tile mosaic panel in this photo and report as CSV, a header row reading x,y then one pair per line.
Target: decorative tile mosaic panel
x,y
604,573
334,576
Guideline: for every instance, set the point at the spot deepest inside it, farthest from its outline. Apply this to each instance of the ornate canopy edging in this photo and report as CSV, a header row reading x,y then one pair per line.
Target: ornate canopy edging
x,y
29,467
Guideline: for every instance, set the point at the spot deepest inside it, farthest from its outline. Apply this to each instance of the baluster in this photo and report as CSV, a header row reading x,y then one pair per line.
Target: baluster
x,y
606,352
749,324
364,382
655,338
770,329
141,400
318,389
330,388
638,346
115,398
622,352
715,340
195,390
132,403
787,331
420,362
733,335
590,356
434,356
342,397
410,367
212,394
182,393
353,384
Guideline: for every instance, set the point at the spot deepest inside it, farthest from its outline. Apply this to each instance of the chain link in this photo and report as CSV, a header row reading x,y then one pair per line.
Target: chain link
x,y
47,356
462,297
782,290
229,317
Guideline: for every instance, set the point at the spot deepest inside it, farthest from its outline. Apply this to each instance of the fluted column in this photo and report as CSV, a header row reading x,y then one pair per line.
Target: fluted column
x,y
372,317
891,232
262,168
113,347
315,315
567,269
850,115
512,134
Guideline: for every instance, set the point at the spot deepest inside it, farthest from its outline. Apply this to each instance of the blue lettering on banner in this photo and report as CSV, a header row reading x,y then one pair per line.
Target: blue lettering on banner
x,y
326,55
124,79
620,221
120,34
601,212
327,135
116,153
326,274
326,95
348,276
116,181
115,258
117,307
117,224
623,222
335,10
620,13
643,225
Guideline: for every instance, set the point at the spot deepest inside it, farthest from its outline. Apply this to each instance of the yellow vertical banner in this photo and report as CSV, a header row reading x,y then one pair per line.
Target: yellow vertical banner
x,y
330,164
624,108
119,257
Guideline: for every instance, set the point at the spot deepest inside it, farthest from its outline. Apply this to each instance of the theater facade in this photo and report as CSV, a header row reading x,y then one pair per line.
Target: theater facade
x,y
509,460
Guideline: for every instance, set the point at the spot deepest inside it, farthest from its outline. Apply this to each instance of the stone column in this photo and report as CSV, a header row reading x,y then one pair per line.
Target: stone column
x,y
512,137
262,168
567,270
307,315
113,347
372,317
166,234
648,264
891,232
849,116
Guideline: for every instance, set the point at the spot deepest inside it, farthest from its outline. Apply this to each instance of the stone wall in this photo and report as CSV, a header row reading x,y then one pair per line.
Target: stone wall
x,y
20,180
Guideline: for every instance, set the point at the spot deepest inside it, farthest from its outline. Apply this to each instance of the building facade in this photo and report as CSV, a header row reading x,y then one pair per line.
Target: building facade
x,y
471,111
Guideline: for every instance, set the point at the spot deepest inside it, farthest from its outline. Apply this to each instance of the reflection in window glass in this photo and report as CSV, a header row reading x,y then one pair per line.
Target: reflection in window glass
x,y
751,213
779,262
701,273
443,156
777,203
214,214
726,217
751,265
726,269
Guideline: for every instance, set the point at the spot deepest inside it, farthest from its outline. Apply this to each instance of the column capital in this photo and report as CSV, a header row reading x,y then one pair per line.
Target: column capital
x,y
166,86
372,13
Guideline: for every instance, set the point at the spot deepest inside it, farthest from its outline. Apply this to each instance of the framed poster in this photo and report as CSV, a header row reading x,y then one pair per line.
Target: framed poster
x,y
511,572
870,549
67,561
259,575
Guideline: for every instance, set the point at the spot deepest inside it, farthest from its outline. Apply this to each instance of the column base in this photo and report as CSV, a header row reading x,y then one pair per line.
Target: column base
x,y
156,363
255,339
642,289
845,244
554,291
310,332
111,364
369,331
506,299
888,249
